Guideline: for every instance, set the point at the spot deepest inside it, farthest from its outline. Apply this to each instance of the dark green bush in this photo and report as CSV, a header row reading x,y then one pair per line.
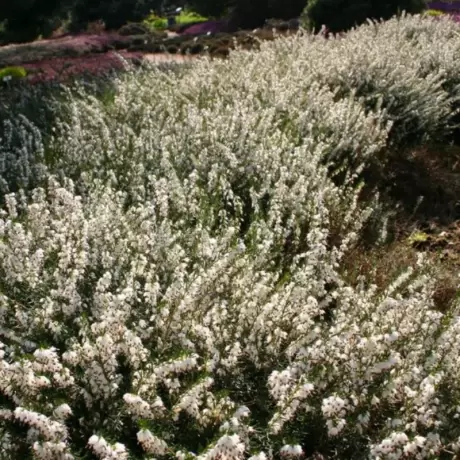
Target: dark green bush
x,y
122,43
154,47
196,48
114,13
248,14
134,28
221,52
25,20
172,49
340,15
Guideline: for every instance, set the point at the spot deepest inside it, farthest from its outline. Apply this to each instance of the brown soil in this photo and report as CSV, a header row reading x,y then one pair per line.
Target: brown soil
x,y
423,189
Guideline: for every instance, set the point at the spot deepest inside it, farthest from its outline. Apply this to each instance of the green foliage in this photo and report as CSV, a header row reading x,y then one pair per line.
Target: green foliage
x,y
26,20
185,17
156,22
245,14
189,17
12,72
340,15
434,13
211,8
114,13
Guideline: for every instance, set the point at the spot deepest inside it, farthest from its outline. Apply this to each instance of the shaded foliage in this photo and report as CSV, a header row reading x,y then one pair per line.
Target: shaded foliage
x,y
244,14
340,15
25,20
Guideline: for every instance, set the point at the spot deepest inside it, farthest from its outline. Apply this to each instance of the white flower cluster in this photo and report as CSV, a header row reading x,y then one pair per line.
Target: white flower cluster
x,y
334,411
141,408
151,443
22,155
49,429
175,287
228,447
288,451
106,451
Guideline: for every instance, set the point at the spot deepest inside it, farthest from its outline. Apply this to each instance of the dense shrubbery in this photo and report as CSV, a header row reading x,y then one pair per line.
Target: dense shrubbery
x,y
251,14
172,287
182,19
134,28
339,15
114,13
25,20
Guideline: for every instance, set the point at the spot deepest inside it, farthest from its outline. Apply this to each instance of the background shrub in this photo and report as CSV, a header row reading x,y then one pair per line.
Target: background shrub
x,y
339,15
252,14
378,73
133,28
25,20
156,22
22,156
114,13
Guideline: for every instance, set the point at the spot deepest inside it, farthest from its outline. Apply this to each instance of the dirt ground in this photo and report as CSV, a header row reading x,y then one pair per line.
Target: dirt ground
x,y
422,190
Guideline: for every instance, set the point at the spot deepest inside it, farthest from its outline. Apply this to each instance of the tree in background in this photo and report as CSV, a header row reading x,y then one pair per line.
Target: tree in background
x,y
340,15
25,20
249,13
114,13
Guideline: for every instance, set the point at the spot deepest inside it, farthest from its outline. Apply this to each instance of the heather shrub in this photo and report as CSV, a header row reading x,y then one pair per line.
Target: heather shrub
x,y
134,28
300,114
22,162
404,66
171,288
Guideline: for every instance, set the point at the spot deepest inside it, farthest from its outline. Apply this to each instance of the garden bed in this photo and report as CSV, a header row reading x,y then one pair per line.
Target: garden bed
x,y
97,53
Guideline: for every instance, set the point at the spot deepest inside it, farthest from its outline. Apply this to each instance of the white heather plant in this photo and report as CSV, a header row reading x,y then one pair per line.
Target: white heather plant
x,y
22,162
406,66
174,289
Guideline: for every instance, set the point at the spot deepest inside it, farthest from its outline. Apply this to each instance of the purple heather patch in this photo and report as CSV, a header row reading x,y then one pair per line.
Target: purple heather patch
x,y
213,27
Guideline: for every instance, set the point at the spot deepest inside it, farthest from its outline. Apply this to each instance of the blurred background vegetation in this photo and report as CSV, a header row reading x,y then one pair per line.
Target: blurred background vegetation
x,y
27,20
